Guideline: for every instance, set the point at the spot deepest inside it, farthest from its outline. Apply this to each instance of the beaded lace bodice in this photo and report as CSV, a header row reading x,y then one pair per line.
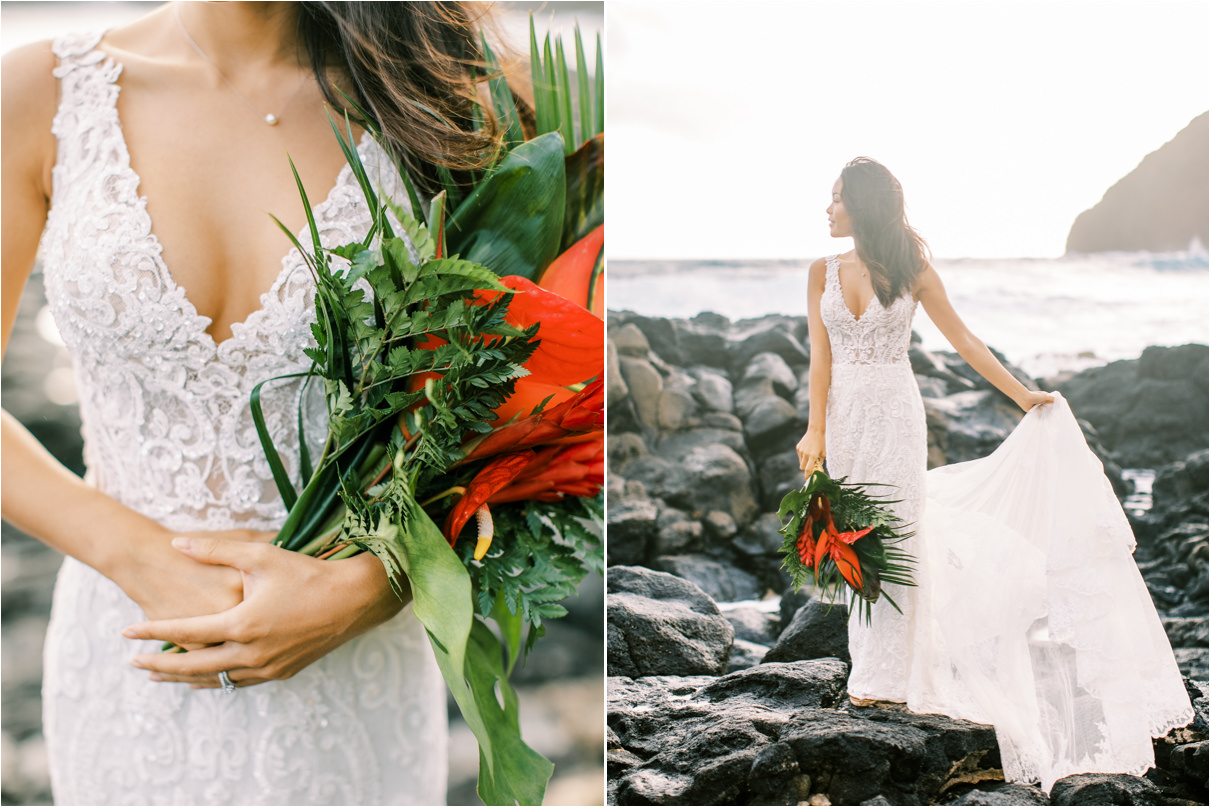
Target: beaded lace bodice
x,y
168,432
167,426
879,337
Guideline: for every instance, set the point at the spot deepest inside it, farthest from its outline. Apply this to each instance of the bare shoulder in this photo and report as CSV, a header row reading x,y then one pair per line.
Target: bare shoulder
x,y
929,280
815,275
29,95
149,37
28,84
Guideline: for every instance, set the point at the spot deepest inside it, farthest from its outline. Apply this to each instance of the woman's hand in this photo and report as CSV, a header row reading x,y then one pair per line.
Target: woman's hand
x,y
295,610
810,449
1033,398
167,584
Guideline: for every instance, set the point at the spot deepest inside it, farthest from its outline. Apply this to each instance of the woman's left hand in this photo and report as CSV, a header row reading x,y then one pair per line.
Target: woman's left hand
x,y
295,610
1033,398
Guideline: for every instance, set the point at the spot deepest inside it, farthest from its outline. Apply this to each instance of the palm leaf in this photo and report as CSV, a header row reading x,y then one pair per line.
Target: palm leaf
x,y
584,99
599,99
502,100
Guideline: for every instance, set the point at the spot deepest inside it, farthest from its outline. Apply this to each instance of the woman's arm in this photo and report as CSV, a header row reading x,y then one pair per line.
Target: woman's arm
x,y
932,294
40,496
811,446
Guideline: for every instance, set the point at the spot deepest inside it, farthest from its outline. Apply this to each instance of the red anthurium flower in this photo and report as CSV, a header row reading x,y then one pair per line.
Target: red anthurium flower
x,y
526,396
571,274
571,340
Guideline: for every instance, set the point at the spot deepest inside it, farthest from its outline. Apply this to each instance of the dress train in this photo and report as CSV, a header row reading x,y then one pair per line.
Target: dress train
x,y
1031,614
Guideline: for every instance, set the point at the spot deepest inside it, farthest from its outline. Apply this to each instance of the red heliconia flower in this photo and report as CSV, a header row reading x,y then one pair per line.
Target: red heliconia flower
x,y
853,535
559,450
575,470
807,544
836,546
498,473
847,562
581,414
547,474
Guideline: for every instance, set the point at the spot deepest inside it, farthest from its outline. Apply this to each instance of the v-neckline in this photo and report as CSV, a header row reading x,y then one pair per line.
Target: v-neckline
x,y
187,306
857,318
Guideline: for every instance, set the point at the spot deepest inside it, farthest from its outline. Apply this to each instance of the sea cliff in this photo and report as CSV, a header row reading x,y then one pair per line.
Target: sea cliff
x,y
1160,206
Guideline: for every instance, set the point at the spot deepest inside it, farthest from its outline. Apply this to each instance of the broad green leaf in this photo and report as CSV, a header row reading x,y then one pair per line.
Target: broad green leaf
x,y
513,773
584,208
513,222
510,630
510,772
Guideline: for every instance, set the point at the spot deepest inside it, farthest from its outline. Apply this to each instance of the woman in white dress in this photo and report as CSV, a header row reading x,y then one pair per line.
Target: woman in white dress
x,y
1029,613
146,159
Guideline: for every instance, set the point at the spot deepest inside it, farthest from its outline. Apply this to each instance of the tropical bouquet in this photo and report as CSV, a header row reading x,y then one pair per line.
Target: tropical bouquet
x,y
462,369
859,556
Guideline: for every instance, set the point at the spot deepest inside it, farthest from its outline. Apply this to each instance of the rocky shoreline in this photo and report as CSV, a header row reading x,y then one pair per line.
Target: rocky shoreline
x,y
725,688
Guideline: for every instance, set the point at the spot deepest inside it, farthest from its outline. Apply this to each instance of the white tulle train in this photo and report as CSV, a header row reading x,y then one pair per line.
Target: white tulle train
x,y
1031,614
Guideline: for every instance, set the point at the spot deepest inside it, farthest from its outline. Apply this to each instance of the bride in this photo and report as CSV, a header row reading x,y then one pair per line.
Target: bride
x,y
144,160
1029,613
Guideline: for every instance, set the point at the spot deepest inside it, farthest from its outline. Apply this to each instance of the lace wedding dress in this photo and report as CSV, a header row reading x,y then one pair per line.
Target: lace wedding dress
x,y
1030,613
168,433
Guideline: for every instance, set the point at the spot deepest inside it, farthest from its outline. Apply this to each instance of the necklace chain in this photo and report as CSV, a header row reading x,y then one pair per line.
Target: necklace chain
x,y
269,117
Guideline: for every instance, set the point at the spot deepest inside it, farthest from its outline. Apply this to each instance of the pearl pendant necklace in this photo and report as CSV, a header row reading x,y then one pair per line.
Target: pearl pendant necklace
x,y
269,118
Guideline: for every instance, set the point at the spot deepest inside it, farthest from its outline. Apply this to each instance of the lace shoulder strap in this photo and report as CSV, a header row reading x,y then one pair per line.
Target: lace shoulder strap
x,y
832,268
77,50
88,91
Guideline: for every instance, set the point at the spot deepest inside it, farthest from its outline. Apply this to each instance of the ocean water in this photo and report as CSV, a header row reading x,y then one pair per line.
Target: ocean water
x,y
1047,315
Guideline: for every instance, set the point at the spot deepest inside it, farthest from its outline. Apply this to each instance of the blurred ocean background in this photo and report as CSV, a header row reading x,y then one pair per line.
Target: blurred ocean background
x,y
1047,315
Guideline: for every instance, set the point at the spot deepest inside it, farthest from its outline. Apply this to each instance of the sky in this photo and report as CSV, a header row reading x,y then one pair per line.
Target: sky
x,y
1003,119
24,22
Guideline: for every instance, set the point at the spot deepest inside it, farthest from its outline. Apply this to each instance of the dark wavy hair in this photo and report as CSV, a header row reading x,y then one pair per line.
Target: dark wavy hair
x,y
415,69
893,252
